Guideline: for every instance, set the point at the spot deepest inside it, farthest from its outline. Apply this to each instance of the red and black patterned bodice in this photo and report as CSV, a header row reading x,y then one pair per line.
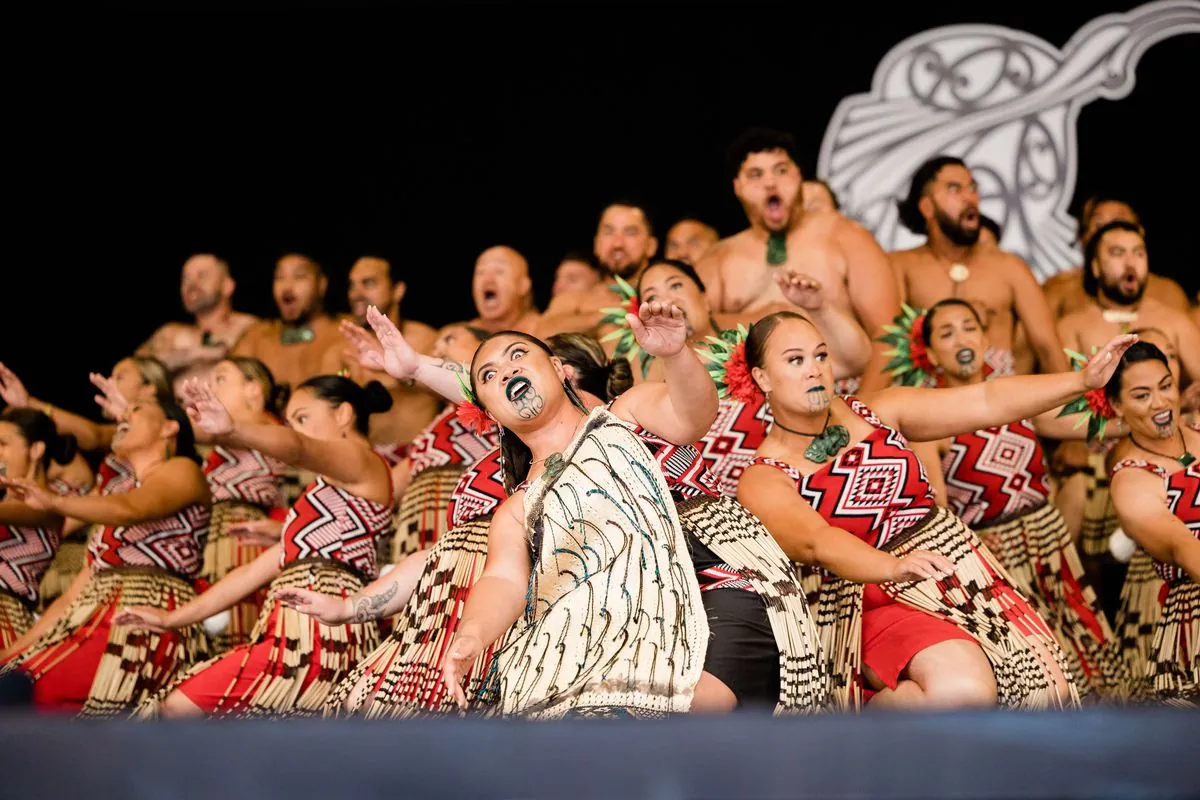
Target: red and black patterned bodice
x,y
25,555
480,490
244,476
446,442
729,445
114,476
995,474
328,522
174,543
874,489
1183,499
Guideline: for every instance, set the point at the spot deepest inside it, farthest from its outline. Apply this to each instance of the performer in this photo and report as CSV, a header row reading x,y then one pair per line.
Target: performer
x,y
246,486
327,544
688,240
1155,492
577,272
29,536
996,482
851,464
503,292
837,252
596,500
80,656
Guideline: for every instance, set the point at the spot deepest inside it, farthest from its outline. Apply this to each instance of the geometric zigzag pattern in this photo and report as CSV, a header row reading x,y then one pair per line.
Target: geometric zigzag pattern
x,y
995,472
874,489
480,490
246,476
331,523
174,543
729,446
1183,500
114,476
25,554
446,441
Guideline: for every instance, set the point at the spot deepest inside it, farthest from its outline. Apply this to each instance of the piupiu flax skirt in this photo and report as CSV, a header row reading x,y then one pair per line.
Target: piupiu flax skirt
x,y
224,553
424,512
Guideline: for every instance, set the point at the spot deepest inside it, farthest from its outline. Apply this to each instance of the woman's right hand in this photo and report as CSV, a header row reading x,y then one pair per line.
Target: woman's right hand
x,y
462,656
110,399
323,607
205,410
921,564
256,531
144,618
11,389
400,360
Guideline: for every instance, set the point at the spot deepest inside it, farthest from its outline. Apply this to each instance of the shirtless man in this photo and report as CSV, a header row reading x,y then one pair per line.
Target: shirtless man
x,y
1065,292
838,253
294,346
372,284
819,197
191,350
943,205
577,272
623,246
503,292
689,239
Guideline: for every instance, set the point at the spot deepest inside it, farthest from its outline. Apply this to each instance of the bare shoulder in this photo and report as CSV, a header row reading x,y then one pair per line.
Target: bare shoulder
x,y
1061,281
180,472
419,335
1168,291
260,331
843,228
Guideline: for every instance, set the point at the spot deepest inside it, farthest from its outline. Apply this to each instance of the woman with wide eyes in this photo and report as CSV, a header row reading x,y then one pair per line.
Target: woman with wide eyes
x,y
838,486
1156,491
327,544
28,536
996,483
145,551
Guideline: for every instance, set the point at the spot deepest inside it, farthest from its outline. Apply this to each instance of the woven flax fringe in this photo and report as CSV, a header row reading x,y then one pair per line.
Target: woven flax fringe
x,y
15,619
1040,558
403,677
1137,619
277,692
1174,674
69,560
423,515
1099,515
127,672
224,553
737,537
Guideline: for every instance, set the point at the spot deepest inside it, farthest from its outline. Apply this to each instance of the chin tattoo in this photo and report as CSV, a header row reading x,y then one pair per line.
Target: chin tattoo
x,y
530,404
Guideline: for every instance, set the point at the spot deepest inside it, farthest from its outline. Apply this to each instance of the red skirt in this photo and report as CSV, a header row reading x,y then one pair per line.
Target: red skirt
x,y
892,633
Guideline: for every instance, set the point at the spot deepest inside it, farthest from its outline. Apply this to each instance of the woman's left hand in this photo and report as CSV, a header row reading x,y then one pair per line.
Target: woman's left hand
x,y
659,328
1101,366
29,493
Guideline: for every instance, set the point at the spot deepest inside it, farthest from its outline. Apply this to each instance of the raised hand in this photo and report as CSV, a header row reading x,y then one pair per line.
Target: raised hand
x,y
400,360
110,399
362,347
323,607
800,290
143,618
921,564
205,410
1103,364
659,328
256,531
1189,398
463,653
11,388
29,493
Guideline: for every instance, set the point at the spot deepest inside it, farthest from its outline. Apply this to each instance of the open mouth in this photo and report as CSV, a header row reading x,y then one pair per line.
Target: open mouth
x,y
122,429
971,215
965,356
516,389
1163,418
818,389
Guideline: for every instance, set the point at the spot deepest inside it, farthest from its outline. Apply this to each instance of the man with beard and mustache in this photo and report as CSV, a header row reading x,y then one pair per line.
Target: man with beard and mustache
x,y
623,246
503,292
837,252
191,350
689,239
1069,291
294,346
372,284
943,205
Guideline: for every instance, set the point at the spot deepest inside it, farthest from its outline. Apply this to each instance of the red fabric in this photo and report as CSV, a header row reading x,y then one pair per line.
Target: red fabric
x,y
327,521
735,434
892,633
278,514
1183,500
995,472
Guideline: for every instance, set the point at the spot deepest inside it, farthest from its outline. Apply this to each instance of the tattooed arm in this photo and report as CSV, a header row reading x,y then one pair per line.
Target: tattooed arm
x,y
388,351
383,598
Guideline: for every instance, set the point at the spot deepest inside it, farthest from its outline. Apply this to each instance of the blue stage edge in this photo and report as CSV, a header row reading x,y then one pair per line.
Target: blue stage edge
x,y
1135,753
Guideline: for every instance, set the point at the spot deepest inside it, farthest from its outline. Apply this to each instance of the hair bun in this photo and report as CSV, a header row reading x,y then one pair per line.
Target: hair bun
x,y
376,398
620,377
277,402
63,449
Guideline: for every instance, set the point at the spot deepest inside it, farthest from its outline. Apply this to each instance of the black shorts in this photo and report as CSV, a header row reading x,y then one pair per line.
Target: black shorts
x,y
742,652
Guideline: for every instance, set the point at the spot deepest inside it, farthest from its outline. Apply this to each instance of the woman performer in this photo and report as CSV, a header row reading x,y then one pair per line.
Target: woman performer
x,y
246,486
996,483
28,536
1156,491
80,657
851,464
328,545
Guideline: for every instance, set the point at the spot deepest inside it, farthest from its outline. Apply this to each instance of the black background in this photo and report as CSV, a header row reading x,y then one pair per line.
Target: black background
x,y
428,134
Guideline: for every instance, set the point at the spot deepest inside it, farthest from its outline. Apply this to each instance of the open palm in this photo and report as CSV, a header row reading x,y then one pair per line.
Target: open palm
x,y
1103,364
801,290
400,360
11,389
205,410
659,328
110,399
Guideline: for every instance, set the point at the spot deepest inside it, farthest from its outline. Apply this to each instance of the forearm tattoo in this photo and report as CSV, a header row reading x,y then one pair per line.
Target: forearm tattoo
x,y
530,404
370,607
449,366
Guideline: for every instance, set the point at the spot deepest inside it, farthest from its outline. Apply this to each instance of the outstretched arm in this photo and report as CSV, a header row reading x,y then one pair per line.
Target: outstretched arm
x,y
1141,503
871,284
849,343
388,351
923,415
682,407
806,537
383,598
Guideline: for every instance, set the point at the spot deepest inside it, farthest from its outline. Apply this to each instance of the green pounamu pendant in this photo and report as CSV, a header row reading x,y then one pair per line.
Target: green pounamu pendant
x,y
777,249
828,443
555,464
